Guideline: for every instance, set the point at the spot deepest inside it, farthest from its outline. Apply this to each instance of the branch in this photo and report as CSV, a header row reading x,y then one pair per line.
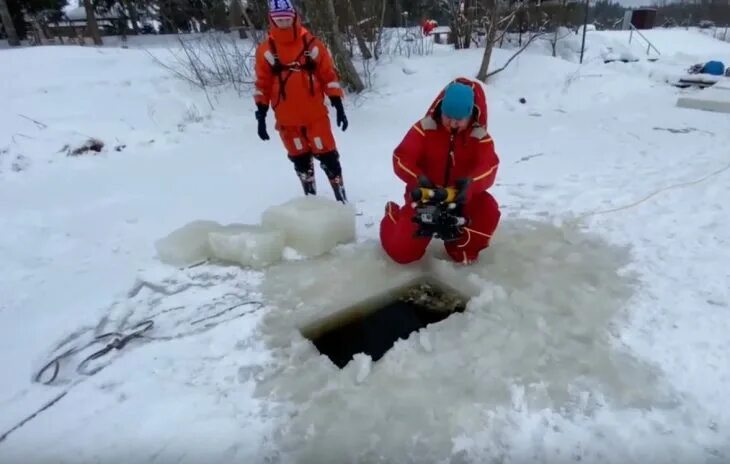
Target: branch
x,y
38,123
524,47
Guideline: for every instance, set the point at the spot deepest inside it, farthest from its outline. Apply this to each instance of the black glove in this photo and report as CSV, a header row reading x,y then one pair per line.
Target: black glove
x,y
261,118
341,118
463,187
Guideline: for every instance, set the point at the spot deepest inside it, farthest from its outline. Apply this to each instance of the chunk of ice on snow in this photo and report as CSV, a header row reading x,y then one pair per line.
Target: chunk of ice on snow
x,y
363,364
188,244
247,245
312,225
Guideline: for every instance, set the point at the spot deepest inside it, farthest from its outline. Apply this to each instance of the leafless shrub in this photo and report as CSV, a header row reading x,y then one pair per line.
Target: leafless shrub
x,y
406,42
211,60
91,145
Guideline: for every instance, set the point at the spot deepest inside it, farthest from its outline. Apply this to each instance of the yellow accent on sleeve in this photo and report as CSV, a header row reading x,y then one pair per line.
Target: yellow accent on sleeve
x,y
402,166
482,176
477,232
390,215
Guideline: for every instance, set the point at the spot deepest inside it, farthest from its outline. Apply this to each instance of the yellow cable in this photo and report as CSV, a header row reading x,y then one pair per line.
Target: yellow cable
x,y
653,194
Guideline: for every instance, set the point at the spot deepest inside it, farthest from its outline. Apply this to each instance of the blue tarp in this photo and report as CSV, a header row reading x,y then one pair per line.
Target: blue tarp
x,y
715,68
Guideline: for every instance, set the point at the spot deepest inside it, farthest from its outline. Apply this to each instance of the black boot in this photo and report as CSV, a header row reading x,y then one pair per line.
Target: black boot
x,y
304,167
330,163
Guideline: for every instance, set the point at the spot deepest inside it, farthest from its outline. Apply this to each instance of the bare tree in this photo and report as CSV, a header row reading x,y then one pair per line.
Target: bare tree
x,y
379,41
324,22
492,29
7,21
235,14
500,17
91,25
361,43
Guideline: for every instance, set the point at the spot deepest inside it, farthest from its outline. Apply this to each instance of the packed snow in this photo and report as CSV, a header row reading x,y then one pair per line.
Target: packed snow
x,y
596,327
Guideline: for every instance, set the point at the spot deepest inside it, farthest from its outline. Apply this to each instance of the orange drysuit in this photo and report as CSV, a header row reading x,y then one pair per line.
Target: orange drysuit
x,y
294,73
296,94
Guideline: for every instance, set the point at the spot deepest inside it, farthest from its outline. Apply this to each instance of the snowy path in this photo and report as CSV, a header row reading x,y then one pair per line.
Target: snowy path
x,y
575,347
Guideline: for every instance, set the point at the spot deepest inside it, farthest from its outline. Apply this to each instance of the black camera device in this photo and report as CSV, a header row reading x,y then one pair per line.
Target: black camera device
x,y
438,211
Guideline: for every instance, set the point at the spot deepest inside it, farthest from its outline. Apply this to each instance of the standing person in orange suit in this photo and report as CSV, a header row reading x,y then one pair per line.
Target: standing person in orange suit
x,y
447,160
294,73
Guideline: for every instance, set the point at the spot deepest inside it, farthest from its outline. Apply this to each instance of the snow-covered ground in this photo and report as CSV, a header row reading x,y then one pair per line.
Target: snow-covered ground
x,y
597,329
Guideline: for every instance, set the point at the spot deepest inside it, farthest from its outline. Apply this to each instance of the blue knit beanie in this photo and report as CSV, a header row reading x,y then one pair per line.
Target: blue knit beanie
x,y
281,9
458,101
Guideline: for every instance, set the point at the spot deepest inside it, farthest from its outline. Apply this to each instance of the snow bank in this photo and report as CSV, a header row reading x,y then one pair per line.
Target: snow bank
x,y
121,97
712,99
671,42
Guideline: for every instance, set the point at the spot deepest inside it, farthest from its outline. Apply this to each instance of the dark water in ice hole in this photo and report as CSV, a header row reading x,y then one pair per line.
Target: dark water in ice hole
x,y
375,332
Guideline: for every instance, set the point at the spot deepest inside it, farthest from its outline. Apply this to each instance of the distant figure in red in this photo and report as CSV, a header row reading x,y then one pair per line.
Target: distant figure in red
x,y
448,151
428,25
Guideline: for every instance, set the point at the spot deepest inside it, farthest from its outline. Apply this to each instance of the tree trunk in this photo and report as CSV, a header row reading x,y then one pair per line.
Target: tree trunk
x,y
469,15
381,28
7,21
493,25
92,27
217,15
324,22
131,8
361,42
236,17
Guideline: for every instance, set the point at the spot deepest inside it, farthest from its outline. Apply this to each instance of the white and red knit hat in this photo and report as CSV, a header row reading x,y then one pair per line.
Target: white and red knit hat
x,y
281,9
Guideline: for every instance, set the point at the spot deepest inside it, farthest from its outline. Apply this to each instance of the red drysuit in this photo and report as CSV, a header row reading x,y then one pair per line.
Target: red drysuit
x,y
430,149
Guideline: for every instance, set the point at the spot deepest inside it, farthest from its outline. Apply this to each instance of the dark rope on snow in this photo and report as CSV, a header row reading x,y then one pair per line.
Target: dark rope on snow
x,y
32,416
231,308
118,341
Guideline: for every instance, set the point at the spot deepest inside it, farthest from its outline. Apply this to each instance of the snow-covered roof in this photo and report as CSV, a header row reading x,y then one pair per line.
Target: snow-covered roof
x,y
76,13
441,30
79,13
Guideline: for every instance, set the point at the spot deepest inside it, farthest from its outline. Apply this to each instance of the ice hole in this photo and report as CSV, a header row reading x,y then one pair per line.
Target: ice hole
x,y
374,326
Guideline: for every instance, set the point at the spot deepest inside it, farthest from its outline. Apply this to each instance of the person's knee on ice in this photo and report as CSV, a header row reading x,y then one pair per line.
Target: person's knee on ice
x,y
483,213
447,161
397,235
294,72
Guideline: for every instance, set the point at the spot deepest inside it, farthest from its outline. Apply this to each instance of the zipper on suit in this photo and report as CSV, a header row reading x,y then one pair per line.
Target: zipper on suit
x,y
449,158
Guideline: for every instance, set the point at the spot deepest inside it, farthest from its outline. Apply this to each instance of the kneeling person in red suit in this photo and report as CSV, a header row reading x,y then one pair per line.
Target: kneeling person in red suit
x,y
447,161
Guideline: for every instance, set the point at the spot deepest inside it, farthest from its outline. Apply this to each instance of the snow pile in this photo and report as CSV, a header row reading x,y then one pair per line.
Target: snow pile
x,y
118,97
713,99
310,226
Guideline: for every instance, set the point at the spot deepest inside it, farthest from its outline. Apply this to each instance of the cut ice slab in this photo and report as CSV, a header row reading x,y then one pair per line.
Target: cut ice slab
x,y
187,245
245,244
248,245
312,225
